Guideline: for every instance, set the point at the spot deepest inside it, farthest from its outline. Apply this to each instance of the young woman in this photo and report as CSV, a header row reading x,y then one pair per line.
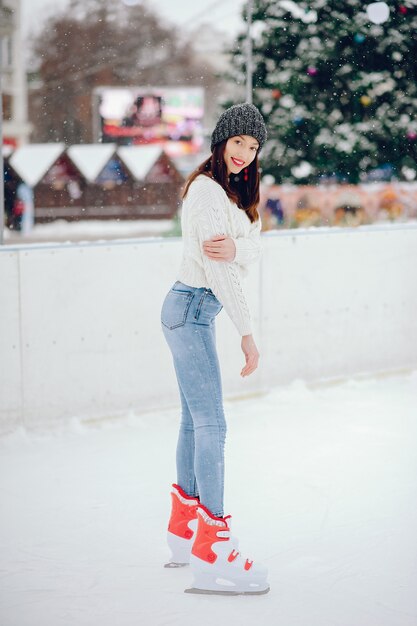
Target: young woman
x,y
220,228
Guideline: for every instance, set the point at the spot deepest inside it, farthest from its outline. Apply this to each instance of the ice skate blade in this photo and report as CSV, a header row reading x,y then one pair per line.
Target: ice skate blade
x,y
220,592
175,565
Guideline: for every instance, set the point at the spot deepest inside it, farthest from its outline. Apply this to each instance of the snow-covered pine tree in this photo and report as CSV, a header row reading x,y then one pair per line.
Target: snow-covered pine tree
x,y
339,92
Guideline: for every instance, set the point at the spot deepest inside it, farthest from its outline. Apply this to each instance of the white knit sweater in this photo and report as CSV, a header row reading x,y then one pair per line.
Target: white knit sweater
x,y
206,212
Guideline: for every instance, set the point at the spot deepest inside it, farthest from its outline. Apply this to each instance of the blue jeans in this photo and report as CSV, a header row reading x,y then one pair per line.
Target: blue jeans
x,y
187,317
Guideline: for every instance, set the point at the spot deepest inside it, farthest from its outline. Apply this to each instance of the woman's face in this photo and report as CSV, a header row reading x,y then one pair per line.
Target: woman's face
x,y
239,152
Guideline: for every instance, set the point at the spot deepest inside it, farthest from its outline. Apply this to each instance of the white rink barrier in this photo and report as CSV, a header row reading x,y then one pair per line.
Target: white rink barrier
x,y
80,332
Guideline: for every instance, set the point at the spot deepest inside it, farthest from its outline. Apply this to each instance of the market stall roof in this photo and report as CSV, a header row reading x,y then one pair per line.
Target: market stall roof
x,y
139,159
90,159
32,162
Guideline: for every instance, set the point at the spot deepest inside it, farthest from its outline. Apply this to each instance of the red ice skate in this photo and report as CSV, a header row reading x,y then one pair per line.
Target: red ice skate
x,y
216,563
182,526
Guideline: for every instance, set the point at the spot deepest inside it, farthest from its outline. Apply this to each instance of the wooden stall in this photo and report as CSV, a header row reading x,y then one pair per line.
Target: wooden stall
x,y
58,185
105,195
99,181
155,183
129,182
12,180
338,205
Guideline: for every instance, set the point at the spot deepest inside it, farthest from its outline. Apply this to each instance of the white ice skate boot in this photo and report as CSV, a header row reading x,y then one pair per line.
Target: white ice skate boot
x,y
182,526
217,566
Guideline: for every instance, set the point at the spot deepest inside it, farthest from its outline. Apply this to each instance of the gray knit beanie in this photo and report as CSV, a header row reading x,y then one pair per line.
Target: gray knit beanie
x,y
239,119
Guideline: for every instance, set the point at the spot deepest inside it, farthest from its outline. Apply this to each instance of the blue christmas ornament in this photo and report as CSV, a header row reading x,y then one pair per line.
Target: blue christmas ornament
x,y
359,38
298,120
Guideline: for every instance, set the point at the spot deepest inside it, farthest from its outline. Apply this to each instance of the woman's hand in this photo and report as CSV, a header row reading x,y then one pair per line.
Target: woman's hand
x,y
220,248
251,355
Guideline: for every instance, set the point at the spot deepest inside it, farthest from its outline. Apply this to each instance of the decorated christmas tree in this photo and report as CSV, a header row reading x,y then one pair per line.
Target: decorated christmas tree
x,y
339,91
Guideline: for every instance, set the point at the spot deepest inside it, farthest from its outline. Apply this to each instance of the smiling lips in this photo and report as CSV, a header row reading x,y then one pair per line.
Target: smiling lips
x,y
238,162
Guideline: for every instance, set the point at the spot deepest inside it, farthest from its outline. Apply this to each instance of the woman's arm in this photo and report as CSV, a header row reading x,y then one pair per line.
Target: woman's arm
x,y
210,220
251,355
241,250
220,248
248,249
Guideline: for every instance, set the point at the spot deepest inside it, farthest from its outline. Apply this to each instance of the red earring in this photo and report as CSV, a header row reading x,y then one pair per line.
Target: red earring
x,y
245,174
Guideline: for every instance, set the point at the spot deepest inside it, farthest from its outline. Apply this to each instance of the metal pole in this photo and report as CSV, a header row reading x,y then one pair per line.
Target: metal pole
x,y
249,68
1,147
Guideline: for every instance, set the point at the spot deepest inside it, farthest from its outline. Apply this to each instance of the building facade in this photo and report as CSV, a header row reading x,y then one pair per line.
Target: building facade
x,y
16,128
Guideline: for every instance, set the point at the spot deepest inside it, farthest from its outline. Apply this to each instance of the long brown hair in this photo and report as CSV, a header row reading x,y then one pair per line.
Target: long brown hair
x,y
245,193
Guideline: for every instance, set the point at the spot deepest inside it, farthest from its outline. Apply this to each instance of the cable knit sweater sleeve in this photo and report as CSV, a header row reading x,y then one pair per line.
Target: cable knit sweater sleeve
x,y
210,218
248,249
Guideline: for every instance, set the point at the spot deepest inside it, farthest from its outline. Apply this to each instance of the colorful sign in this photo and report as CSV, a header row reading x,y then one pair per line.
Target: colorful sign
x,y
171,116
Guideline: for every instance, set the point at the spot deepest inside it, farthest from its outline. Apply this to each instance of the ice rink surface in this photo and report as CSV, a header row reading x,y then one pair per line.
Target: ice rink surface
x,y
321,483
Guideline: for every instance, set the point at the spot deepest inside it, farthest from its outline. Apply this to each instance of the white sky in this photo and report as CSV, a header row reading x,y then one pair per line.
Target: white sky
x,y
186,13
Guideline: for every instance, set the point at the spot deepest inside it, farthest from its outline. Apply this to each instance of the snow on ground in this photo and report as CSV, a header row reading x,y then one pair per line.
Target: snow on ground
x,y
321,482
61,230
92,230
